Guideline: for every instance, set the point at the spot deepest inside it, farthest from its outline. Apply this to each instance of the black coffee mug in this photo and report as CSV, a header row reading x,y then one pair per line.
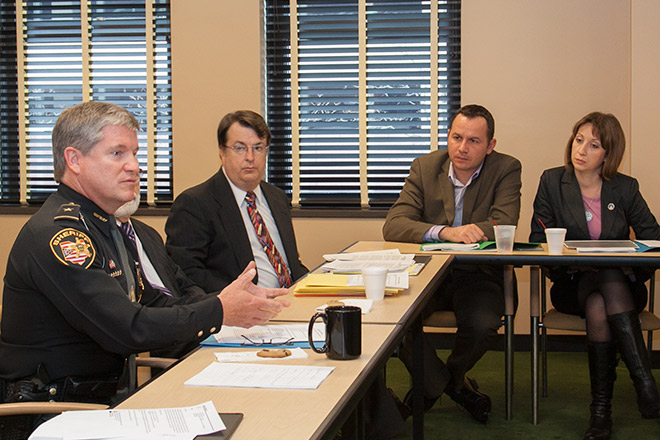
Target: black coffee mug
x,y
343,332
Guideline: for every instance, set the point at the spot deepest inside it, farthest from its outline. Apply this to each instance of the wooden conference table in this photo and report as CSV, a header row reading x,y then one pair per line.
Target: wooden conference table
x,y
403,310
534,260
467,257
303,414
397,309
276,413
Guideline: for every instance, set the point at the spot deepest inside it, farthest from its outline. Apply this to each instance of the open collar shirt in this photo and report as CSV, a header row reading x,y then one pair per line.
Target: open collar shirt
x,y
459,193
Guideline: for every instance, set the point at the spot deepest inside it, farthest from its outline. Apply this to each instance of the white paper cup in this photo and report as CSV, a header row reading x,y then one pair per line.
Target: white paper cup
x,y
555,238
504,235
374,282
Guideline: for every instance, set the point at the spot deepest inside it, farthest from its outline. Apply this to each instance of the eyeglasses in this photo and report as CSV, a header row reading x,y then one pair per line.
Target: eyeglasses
x,y
241,149
263,342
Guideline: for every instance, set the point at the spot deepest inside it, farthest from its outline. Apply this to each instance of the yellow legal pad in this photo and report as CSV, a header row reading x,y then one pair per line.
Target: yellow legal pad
x,y
327,284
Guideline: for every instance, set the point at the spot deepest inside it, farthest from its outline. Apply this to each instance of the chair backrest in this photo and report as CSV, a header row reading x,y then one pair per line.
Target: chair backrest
x,y
22,408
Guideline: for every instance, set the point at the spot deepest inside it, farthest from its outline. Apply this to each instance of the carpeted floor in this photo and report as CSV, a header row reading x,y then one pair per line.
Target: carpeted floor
x,y
563,414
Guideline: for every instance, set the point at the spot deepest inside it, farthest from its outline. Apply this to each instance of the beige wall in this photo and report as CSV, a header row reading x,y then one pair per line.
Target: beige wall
x,y
216,69
645,98
537,65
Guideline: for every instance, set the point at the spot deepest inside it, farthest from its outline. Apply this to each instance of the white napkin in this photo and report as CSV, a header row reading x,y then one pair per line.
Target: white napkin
x,y
364,304
251,356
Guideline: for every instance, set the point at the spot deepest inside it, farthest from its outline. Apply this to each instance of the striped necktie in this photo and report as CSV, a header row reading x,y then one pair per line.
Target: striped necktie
x,y
124,261
130,232
130,369
266,242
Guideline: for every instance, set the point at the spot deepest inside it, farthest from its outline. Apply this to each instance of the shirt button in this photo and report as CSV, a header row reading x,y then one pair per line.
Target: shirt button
x,y
200,333
213,329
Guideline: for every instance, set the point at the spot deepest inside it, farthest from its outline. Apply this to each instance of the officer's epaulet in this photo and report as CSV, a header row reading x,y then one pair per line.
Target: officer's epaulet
x,y
68,211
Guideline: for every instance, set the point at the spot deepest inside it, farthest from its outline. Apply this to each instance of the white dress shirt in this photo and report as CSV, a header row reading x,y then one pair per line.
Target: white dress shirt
x,y
267,275
147,268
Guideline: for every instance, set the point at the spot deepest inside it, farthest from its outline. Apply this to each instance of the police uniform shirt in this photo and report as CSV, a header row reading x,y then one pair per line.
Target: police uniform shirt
x,y
65,304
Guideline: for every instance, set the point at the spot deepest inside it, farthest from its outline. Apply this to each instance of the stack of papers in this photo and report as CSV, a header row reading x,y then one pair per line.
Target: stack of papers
x,y
364,304
586,246
171,423
481,246
325,284
354,262
648,245
292,377
265,336
450,246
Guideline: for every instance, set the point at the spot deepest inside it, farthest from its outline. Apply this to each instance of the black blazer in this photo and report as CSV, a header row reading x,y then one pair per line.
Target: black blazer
x,y
558,203
183,289
174,279
207,238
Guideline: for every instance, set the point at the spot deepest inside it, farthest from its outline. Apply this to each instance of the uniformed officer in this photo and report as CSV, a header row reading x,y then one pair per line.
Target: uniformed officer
x,y
73,302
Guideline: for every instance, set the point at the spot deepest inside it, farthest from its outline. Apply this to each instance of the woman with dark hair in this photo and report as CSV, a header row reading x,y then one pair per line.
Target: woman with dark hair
x,y
589,198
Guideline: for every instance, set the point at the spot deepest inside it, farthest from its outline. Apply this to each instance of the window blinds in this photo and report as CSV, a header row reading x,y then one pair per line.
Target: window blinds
x,y
355,91
68,52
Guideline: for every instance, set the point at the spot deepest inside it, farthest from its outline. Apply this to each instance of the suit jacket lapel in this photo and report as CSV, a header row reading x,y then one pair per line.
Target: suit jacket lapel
x,y
155,256
571,193
231,218
446,192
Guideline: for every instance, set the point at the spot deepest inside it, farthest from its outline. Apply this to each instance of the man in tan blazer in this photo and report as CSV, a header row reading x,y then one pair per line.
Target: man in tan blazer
x,y
457,195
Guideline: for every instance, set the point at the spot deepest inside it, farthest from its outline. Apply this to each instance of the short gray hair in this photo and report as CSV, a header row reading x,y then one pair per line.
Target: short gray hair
x,y
80,127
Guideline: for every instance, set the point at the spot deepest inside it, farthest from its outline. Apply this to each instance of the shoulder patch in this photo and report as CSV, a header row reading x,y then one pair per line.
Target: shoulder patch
x,y
73,247
69,211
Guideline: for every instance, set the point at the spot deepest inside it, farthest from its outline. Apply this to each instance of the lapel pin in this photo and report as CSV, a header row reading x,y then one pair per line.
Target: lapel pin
x,y
610,206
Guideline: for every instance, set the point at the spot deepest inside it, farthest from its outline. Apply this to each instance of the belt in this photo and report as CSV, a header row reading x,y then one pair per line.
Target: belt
x,y
70,389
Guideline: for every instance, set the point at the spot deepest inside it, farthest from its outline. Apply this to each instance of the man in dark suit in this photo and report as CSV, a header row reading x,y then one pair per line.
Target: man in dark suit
x,y
160,275
457,195
211,234
159,269
74,307
216,228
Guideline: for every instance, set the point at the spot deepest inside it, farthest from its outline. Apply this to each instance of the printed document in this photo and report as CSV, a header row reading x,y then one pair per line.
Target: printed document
x,y
354,262
268,335
387,254
292,377
166,423
251,356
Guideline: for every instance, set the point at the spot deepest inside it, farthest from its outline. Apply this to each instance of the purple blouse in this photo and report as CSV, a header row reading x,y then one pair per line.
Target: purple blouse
x,y
592,212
